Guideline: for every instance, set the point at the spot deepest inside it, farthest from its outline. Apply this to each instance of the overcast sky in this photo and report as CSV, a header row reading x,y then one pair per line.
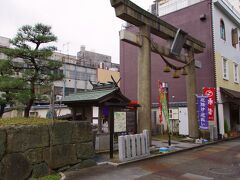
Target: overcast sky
x,y
74,22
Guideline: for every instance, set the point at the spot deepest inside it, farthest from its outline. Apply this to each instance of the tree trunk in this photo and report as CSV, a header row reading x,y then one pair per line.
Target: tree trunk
x,y
28,107
30,102
2,108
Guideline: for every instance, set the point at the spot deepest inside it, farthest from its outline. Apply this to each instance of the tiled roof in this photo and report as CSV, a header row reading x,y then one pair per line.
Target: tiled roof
x,y
92,95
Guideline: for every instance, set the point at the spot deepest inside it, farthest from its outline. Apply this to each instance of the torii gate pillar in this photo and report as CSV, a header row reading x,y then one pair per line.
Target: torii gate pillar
x,y
191,95
144,80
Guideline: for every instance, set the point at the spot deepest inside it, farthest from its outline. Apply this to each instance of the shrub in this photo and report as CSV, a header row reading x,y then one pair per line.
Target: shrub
x,y
26,121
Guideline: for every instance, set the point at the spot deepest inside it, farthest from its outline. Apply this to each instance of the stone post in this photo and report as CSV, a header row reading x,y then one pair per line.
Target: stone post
x,y
73,111
191,96
144,81
99,120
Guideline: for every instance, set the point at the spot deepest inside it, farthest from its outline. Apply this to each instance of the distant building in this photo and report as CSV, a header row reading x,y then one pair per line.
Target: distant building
x,y
104,75
4,42
78,71
162,7
93,59
76,76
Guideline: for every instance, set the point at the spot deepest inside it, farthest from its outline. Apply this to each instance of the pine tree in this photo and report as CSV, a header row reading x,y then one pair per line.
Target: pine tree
x,y
30,56
10,86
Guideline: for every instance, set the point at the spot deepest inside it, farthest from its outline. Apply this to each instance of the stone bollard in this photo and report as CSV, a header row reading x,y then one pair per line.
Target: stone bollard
x,y
121,148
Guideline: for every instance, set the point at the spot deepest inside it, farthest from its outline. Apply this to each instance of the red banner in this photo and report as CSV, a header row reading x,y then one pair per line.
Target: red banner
x,y
161,96
210,92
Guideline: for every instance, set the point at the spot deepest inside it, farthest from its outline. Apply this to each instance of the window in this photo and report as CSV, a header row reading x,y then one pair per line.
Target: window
x,y
222,30
225,68
234,37
173,113
235,71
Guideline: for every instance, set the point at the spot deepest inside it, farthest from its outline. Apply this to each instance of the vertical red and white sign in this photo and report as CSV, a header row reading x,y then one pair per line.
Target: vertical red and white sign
x,y
210,92
161,96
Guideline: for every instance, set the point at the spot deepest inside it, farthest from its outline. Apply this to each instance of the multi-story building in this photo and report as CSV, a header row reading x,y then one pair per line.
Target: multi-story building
x,y
76,76
220,61
226,35
96,60
162,7
78,72
4,42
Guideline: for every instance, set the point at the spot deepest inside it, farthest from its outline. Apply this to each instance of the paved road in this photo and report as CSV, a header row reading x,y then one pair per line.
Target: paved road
x,y
220,161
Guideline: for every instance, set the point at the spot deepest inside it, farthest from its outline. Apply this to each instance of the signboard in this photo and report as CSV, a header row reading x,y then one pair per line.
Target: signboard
x,y
161,99
163,104
120,122
202,103
210,93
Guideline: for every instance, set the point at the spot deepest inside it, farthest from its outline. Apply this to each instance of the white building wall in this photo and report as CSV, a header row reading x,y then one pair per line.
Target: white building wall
x,y
224,47
4,42
235,4
43,112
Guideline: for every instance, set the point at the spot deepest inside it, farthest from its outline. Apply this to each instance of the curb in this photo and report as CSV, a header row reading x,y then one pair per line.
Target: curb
x,y
63,177
166,154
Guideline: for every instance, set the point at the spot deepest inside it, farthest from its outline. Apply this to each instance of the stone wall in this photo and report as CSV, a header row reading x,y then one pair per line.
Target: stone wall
x,y
37,150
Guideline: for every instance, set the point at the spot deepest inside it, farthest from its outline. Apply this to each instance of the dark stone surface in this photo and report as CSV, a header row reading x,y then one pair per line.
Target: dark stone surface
x,y
1,171
60,133
40,170
60,155
28,149
2,142
65,168
83,164
34,155
82,132
22,138
85,150
15,167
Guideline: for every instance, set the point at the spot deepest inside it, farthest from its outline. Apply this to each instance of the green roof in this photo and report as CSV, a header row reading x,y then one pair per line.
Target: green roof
x,y
92,95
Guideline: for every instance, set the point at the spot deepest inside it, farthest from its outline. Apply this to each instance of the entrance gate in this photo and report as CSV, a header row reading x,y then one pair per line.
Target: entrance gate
x,y
150,24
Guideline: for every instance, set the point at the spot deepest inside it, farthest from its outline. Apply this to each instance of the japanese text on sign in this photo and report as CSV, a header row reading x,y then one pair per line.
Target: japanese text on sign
x,y
203,112
210,93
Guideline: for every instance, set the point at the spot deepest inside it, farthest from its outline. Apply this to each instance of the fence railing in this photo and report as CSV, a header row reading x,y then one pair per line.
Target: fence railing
x,y
135,146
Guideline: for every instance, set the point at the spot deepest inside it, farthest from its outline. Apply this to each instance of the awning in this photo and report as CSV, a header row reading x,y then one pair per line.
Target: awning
x,y
230,93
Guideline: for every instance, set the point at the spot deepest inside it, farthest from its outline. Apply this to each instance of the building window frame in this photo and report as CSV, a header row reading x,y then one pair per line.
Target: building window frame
x,y
173,113
225,68
222,30
234,34
235,73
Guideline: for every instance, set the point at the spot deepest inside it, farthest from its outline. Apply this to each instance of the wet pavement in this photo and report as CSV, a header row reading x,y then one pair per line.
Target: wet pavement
x,y
219,161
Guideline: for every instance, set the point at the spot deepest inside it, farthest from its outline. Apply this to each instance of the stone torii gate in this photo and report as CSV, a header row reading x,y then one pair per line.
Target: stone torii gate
x,y
147,24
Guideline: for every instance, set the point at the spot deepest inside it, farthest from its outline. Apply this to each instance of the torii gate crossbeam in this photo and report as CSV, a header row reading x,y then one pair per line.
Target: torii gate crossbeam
x,y
149,23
